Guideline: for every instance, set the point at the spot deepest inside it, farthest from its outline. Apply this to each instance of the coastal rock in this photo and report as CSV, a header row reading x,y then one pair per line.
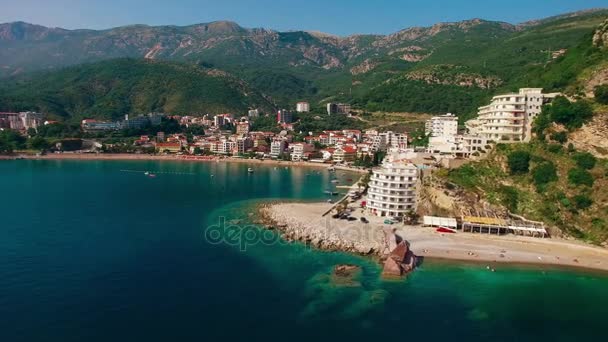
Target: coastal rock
x,y
345,275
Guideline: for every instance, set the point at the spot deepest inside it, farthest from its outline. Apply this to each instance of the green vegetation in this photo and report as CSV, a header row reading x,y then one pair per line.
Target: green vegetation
x,y
560,137
585,160
578,176
108,90
417,96
582,201
601,94
544,173
519,162
570,114
556,190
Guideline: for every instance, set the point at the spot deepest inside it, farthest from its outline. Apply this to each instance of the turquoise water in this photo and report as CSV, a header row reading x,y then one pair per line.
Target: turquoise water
x,y
91,253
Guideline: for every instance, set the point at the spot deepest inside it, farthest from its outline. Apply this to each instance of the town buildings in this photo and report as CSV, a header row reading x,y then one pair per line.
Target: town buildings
x,y
21,121
345,154
253,113
508,118
151,119
302,107
443,125
168,147
338,108
277,147
393,187
300,150
242,127
284,116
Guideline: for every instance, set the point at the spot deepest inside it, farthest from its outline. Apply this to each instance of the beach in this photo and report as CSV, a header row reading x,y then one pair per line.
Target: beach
x,y
304,222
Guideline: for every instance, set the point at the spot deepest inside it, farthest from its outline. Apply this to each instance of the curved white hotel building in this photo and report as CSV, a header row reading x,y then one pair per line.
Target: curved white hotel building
x,y
392,188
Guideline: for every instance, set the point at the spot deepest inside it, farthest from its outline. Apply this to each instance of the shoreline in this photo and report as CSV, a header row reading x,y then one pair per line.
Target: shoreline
x,y
184,158
303,222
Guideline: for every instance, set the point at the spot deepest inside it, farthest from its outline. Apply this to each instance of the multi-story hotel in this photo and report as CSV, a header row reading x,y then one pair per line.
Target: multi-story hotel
x,y
509,117
284,116
442,126
392,188
302,107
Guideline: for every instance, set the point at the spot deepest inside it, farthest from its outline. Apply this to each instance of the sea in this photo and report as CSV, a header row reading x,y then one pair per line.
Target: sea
x,y
100,251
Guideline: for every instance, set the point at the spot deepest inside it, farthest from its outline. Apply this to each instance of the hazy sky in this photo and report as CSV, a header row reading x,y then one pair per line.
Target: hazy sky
x,y
333,16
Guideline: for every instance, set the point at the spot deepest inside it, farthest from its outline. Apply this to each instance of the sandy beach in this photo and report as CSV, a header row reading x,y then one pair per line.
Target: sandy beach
x,y
304,222
183,158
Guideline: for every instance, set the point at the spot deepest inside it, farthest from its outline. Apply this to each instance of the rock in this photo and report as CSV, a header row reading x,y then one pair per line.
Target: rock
x,y
345,275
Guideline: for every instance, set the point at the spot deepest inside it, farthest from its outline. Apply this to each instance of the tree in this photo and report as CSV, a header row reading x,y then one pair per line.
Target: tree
x,y
11,140
38,143
570,114
544,173
560,137
585,160
601,94
509,197
519,162
582,201
578,176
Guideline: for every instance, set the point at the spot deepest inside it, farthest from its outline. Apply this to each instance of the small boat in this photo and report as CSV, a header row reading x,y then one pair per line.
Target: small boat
x,y
151,175
335,181
147,173
331,169
250,170
331,193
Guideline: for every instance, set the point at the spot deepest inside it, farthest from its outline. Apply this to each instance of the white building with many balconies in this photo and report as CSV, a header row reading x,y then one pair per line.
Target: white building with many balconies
x,y
442,126
509,117
393,188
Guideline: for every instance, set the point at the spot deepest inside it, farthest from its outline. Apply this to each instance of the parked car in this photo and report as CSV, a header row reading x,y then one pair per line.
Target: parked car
x,y
350,218
364,220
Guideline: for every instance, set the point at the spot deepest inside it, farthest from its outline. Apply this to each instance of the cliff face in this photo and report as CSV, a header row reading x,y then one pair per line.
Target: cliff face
x,y
600,38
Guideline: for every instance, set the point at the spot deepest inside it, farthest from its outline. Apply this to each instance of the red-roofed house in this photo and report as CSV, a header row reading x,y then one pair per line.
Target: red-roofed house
x,y
171,147
346,154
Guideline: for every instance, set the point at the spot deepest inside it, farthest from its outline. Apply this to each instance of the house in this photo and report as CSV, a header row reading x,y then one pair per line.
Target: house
x,y
346,154
171,147
300,150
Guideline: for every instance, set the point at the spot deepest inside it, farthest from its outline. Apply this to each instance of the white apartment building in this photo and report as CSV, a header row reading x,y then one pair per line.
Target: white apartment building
x,y
392,188
302,107
457,146
509,117
224,147
443,125
253,113
276,148
394,140
298,150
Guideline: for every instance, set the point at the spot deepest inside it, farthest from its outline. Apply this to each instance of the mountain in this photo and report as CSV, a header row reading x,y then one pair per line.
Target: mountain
x,y
475,57
110,89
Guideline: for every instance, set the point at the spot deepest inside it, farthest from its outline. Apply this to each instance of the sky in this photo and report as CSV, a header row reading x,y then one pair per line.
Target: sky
x,y
341,17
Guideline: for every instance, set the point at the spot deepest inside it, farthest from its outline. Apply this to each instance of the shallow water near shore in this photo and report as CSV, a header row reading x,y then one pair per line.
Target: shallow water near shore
x,y
90,252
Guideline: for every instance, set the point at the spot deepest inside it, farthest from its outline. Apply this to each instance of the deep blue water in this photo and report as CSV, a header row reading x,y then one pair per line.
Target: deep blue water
x,y
91,253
